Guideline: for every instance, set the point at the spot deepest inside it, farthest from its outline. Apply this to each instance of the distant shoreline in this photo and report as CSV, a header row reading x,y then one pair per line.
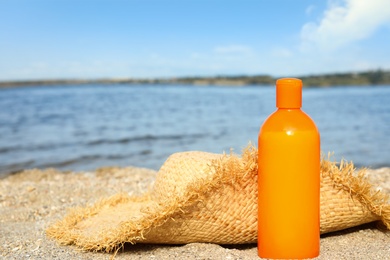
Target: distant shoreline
x,y
367,78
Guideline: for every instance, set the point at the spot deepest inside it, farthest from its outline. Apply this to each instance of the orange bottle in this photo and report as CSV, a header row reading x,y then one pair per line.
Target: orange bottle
x,y
289,179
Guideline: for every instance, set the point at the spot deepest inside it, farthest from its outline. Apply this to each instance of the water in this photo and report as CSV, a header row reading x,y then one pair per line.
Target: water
x,y
90,126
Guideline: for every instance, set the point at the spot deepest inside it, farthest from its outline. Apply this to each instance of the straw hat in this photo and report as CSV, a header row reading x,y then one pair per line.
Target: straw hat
x,y
204,197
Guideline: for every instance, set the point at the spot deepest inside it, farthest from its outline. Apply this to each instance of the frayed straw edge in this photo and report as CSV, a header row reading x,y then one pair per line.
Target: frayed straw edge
x,y
59,230
345,177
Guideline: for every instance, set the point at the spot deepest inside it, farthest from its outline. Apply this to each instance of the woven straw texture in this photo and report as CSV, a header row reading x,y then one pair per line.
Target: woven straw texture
x,y
203,197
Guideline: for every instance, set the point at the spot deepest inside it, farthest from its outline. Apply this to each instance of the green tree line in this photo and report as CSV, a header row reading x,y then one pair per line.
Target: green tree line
x,y
367,78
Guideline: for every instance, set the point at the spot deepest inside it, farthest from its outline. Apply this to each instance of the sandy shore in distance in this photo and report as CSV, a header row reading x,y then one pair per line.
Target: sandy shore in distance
x,y
31,200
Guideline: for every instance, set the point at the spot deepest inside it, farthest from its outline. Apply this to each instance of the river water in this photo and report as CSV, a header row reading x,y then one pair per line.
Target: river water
x,y
84,127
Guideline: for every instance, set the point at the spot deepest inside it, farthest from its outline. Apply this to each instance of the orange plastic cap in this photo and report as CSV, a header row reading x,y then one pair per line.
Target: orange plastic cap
x,y
289,93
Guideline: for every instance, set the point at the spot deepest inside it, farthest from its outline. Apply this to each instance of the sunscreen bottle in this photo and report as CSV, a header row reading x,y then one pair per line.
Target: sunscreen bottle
x,y
288,179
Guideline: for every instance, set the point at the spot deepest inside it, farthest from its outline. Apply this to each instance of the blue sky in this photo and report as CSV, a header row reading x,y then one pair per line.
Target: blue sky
x,y
166,38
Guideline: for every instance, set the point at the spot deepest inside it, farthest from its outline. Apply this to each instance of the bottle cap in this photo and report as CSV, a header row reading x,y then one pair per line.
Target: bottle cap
x,y
289,93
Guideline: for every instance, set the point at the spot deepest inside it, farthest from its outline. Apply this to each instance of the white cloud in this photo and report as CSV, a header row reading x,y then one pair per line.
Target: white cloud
x,y
282,53
345,22
233,49
310,9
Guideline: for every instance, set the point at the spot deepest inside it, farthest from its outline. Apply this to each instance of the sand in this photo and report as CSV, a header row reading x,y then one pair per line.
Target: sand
x,y
31,200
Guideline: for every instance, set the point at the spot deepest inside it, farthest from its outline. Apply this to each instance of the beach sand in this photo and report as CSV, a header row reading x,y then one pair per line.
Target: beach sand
x,y
32,200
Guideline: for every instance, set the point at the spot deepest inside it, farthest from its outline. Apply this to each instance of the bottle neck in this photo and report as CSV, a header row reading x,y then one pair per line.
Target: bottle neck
x,y
289,93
